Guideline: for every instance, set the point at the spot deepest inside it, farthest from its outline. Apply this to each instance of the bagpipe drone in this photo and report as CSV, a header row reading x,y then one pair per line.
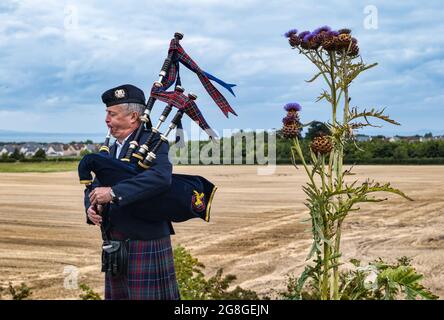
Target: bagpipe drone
x,y
189,196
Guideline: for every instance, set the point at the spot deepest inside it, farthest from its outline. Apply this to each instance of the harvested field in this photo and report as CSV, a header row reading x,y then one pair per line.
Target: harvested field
x,y
255,231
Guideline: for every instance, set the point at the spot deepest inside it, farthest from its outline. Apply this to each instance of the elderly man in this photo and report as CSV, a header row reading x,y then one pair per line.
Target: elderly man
x,y
149,270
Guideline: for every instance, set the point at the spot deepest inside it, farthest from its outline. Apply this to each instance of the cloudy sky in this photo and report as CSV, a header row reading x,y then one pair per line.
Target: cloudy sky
x,y
57,57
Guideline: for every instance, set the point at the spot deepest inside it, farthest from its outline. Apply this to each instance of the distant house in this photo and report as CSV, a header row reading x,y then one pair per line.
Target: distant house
x,y
78,146
29,149
7,149
410,139
91,147
71,149
380,137
416,138
363,138
54,150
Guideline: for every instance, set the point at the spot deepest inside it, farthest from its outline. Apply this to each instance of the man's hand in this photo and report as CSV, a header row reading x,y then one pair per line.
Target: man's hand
x,y
95,216
100,195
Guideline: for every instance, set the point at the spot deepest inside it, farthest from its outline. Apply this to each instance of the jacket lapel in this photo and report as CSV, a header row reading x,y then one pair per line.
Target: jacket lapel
x,y
126,145
112,150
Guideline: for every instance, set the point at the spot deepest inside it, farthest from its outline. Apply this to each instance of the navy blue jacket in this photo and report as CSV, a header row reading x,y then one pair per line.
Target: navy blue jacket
x,y
124,217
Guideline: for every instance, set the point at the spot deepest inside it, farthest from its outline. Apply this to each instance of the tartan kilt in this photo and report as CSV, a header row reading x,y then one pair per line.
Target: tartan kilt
x,y
151,274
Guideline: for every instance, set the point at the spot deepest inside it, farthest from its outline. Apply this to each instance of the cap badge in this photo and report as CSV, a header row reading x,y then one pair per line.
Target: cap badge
x,y
119,93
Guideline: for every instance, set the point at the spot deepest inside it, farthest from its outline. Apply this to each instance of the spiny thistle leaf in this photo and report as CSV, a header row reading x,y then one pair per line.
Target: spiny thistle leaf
x,y
368,66
312,251
366,188
348,172
354,70
360,125
304,276
324,95
314,77
372,113
294,157
407,277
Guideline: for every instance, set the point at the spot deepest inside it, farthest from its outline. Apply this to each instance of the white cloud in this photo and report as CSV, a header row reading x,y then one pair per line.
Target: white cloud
x,y
52,70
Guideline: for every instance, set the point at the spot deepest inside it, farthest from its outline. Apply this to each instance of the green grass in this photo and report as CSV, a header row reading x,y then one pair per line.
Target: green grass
x,y
45,166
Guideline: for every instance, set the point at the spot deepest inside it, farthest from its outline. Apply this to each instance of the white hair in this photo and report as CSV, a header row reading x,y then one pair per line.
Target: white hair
x,y
133,107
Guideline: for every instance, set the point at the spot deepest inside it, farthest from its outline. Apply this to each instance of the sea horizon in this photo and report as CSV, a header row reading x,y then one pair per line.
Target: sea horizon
x,y
47,137
7,136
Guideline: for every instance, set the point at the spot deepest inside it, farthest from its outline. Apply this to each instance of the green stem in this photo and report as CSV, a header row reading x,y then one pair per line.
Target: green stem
x,y
322,171
325,289
330,170
327,250
299,151
313,60
346,111
339,174
333,87
345,89
340,72
337,163
336,262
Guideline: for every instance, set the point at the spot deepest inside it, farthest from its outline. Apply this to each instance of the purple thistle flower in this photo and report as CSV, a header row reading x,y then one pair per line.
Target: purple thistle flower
x,y
290,33
321,29
292,106
289,120
308,37
303,34
333,33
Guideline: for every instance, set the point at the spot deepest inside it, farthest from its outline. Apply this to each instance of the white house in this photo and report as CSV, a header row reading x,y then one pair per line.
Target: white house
x,y
30,149
71,149
7,149
363,138
54,150
90,147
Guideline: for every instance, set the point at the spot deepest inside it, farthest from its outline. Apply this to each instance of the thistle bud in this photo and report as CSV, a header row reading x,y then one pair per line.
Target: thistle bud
x,y
321,144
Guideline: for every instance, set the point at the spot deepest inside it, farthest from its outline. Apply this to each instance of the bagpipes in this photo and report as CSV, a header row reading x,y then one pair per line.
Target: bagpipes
x,y
189,196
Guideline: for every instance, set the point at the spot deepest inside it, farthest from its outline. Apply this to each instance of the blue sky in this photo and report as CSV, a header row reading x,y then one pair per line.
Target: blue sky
x,y
57,57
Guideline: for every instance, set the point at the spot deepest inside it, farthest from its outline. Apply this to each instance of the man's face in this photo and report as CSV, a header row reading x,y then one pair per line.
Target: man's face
x,y
120,121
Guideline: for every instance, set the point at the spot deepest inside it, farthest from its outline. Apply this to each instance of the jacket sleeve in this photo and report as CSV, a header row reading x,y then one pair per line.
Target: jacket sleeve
x,y
87,203
148,183
96,183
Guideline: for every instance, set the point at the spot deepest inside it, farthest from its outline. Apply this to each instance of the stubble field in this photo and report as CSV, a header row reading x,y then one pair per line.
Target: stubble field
x,y
256,230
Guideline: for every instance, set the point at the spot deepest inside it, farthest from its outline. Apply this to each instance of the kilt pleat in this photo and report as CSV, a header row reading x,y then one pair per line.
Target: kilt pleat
x,y
151,274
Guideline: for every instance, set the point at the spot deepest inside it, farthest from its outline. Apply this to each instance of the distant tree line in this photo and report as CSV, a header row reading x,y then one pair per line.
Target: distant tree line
x,y
376,151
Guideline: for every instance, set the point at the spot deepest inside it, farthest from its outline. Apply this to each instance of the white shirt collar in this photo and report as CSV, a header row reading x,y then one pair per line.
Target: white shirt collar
x,y
124,140
119,145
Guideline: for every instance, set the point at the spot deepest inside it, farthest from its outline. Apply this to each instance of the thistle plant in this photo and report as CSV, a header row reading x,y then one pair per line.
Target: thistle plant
x,y
330,198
